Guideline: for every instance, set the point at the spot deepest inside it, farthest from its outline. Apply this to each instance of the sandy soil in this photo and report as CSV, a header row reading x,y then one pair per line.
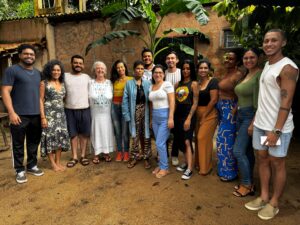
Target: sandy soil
x,y
109,194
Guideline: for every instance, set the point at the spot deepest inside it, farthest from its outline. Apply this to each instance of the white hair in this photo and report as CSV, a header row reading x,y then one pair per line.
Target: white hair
x,y
99,63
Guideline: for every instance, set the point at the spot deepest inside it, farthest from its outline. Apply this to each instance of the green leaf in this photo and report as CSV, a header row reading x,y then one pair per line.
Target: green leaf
x,y
197,8
124,16
186,49
111,36
189,31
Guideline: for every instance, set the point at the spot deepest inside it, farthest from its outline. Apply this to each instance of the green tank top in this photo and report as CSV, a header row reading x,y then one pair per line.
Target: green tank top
x,y
247,92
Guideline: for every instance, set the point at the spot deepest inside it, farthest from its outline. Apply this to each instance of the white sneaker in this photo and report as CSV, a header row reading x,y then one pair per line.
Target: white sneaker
x,y
35,171
187,174
175,161
21,177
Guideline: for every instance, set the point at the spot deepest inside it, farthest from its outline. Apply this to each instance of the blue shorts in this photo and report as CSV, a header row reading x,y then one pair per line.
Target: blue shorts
x,y
78,122
277,151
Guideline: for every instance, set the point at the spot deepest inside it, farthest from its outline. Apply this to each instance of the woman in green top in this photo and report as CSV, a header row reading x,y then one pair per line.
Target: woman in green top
x,y
247,92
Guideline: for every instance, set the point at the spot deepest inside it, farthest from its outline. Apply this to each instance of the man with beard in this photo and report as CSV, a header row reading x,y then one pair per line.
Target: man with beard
x,y
273,123
77,109
147,57
21,97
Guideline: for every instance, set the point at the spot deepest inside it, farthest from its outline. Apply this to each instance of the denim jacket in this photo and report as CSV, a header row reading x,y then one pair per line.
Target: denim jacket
x,y
129,103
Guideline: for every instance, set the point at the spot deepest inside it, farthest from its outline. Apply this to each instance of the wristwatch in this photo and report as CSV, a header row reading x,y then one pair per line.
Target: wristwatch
x,y
277,132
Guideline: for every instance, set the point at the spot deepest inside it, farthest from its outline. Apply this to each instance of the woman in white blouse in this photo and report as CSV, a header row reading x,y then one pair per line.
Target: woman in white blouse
x,y
100,97
163,105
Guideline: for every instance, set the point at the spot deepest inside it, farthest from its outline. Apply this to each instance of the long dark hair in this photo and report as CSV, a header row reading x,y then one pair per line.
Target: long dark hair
x,y
114,75
156,67
192,68
48,67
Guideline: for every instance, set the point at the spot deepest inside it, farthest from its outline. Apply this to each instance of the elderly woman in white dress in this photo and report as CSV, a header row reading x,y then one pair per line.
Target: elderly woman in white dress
x,y
100,97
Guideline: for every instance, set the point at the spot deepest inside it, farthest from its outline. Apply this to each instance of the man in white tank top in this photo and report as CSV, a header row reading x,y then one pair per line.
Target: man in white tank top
x,y
173,75
273,123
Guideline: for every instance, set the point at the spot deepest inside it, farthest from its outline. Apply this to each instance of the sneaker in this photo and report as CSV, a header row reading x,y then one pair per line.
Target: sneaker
x,y
175,161
182,167
126,157
187,174
35,171
256,204
119,157
21,177
268,212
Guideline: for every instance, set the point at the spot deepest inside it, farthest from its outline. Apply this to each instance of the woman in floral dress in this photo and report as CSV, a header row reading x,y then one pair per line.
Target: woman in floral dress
x,y
55,137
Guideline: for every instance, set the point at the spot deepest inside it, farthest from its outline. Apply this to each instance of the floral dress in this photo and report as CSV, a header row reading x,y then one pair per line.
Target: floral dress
x,y
55,136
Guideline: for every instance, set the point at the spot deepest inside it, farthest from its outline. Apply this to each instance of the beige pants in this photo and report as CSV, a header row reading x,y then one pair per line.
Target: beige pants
x,y
205,130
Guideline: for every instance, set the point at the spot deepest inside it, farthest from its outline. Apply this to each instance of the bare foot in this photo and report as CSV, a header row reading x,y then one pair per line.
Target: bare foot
x,y
63,168
156,170
56,168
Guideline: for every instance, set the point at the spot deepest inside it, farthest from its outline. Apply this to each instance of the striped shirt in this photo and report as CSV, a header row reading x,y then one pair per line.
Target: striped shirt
x,y
173,78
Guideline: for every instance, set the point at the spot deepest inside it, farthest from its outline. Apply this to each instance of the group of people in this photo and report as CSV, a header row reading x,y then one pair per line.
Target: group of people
x,y
251,108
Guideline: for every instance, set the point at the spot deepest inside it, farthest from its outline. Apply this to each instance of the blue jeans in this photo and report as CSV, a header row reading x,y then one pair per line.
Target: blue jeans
x,y
242,148
161,132
121,128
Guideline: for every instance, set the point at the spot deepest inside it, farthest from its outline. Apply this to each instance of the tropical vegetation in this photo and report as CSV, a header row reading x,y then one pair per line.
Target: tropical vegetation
x,y
250,22
152,13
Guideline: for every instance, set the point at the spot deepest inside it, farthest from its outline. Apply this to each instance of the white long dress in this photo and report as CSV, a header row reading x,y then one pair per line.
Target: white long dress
x,y
100,98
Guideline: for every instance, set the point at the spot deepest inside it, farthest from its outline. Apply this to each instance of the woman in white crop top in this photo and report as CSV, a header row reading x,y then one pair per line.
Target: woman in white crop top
x,y
163,104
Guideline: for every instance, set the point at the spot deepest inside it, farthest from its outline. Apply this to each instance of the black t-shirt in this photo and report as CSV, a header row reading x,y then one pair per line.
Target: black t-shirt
x,y
204,95
140,95
25,92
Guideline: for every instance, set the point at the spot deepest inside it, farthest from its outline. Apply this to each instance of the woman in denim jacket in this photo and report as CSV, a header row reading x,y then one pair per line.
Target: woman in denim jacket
x,y
135,109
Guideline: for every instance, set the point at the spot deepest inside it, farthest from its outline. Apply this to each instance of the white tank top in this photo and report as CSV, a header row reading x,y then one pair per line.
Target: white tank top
x,y
269,97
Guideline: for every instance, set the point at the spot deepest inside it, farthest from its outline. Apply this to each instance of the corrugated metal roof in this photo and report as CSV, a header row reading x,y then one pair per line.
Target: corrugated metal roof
x,y
64,17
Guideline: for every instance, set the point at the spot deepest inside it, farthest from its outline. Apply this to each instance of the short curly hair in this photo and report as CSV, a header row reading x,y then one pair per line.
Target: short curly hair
x,y
48,67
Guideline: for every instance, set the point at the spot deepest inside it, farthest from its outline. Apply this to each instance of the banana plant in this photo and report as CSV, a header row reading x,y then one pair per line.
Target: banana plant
x,y
153,15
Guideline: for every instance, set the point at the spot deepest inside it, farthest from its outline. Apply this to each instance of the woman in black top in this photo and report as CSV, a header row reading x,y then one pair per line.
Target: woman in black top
x,y
186,95
207,118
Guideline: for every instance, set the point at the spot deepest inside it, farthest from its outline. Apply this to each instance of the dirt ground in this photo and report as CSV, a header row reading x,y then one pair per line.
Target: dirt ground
x,y
110,194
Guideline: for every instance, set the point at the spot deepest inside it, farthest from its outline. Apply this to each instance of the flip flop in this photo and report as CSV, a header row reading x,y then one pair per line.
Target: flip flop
x,y
161,174
84,161
96,160
72,162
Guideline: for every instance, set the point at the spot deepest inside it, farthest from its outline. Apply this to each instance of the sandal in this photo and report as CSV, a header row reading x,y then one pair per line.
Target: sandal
x,y
96,160
244,191
107,158
84,161
147,164
162,173
131,163
72,162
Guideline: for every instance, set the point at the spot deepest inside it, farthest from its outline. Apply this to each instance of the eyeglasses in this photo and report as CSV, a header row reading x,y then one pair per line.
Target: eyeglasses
x,y
249,58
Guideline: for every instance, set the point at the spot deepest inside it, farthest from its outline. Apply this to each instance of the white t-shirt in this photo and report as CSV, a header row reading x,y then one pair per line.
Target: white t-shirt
x,y
159,97
77,88
269,97
173,78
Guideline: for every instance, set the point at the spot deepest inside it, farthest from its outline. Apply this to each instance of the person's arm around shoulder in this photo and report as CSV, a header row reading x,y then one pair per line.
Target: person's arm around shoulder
x,y
44,122
195,90
287,82
171,99
125,102
214,96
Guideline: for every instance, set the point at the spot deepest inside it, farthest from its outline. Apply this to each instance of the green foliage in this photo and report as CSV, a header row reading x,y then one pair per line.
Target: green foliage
x,y
152,14
251,23
16,8
111,36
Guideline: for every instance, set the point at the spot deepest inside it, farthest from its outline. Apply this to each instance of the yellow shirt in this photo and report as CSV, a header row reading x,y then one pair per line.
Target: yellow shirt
x,y
119,86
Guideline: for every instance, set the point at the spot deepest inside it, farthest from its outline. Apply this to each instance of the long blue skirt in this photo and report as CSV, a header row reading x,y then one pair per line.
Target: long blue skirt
x,y
227,165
